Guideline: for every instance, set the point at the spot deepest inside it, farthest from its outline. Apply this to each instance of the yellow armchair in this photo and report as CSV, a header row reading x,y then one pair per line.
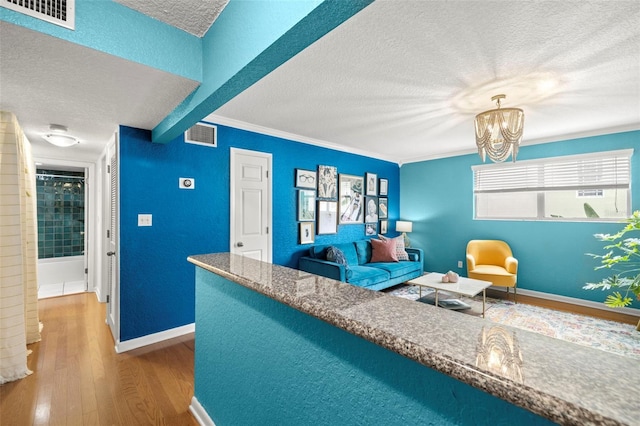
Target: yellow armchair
x,y
492,260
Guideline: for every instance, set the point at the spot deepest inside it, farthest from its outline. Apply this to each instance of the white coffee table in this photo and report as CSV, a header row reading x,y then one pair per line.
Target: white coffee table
x,y
465,286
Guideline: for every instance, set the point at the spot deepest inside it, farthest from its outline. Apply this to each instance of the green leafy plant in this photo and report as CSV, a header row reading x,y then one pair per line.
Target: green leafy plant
x,y
623,257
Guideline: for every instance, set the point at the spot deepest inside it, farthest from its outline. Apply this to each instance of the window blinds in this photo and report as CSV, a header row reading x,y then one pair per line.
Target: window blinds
x,y
601,170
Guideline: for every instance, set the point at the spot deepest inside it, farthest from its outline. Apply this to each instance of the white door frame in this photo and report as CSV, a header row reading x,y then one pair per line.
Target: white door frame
x,y
232,179
112,292
91,244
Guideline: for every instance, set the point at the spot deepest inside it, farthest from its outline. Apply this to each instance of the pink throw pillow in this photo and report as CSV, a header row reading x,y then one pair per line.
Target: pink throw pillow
x,y
383,251
401,253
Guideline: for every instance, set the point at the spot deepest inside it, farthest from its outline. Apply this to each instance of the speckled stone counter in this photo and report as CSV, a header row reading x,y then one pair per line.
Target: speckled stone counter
x,y
564,382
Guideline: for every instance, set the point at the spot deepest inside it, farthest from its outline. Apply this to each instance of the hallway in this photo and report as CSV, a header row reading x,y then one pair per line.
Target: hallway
x,y
79,379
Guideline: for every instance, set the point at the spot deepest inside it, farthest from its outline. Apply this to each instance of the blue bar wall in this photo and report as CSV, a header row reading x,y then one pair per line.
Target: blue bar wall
x,y
437,196
156,281
258,361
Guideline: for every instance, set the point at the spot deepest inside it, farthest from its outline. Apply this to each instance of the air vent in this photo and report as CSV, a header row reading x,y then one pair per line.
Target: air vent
x,y
59,12
202,134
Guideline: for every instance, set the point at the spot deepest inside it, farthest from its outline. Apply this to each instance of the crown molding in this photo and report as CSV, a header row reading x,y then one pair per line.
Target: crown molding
x,y
243,125
217,119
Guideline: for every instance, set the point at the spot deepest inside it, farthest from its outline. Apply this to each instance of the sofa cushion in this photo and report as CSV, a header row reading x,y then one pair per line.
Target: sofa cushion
x,y
401,254
365,276
349,250
363,248
397,269
383,251
318,252
334,254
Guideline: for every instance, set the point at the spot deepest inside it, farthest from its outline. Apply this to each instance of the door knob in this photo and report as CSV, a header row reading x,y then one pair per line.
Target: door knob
x,y
111,253
240,244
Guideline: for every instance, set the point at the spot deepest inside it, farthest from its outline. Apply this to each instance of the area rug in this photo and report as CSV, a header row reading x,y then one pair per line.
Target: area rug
x,y
610,336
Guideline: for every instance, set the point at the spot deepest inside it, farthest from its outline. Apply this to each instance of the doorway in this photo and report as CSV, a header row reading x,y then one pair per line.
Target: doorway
x,y
61,216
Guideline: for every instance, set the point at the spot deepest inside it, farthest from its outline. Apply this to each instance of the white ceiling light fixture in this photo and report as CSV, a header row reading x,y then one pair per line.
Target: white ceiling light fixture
x,y
59,137
499,132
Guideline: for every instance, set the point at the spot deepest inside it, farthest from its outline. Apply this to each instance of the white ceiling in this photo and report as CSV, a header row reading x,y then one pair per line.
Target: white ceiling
x,y
401,80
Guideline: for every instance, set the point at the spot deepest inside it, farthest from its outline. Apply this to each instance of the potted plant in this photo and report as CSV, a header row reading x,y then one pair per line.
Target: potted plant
x,y
623,256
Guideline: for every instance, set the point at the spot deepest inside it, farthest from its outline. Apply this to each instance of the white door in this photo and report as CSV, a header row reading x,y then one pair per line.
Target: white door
x,y
251,204
113,315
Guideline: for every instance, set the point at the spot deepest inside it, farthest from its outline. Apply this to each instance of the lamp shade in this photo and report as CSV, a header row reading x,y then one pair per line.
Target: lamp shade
x,y
404,226
499,132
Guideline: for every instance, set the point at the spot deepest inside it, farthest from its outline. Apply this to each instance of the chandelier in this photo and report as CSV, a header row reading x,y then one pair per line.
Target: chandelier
x,y
499,132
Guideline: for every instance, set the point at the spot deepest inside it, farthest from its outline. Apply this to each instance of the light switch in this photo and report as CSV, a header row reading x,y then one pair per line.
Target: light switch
x,y
144,219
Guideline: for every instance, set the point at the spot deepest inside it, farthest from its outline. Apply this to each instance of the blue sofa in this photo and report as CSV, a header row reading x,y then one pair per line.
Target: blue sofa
x,y
360,271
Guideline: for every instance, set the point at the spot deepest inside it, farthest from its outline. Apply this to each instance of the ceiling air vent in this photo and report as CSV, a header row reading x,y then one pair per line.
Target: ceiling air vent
x,y
59,12
202,134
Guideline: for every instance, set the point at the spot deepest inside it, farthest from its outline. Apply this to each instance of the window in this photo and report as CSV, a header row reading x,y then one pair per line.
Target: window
x,y
579,188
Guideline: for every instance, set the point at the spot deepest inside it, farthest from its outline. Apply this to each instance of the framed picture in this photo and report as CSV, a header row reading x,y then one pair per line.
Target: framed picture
x,y
371,229
383,227
383,211
305,179
351,199
327,217
306,205
307,232
384,187
328,183
371,210
372,184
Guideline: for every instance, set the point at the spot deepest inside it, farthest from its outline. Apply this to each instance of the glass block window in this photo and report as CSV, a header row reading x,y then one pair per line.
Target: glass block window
x,y
60,213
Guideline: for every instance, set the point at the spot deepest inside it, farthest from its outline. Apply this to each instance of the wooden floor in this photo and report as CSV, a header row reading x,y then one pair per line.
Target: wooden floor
x,y
79,379
567,307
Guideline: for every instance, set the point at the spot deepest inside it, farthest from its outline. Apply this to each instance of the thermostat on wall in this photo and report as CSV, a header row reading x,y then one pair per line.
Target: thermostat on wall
x,y
186,183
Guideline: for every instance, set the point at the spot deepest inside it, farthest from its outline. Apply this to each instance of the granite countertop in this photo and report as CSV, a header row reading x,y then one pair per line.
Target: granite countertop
x,y
562,381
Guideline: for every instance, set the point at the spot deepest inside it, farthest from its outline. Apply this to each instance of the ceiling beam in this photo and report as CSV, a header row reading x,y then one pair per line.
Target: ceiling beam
x,y
248,41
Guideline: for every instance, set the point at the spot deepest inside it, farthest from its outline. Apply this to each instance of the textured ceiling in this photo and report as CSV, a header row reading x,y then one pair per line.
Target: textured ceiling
x,y
45,80
192,16
403,80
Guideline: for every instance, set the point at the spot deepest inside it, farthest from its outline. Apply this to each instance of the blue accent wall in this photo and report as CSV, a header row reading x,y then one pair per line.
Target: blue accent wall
x,y
258,361
437,196
156,281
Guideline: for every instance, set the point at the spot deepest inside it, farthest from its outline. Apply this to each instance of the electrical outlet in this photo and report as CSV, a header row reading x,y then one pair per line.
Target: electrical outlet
x,y
145,219
459,263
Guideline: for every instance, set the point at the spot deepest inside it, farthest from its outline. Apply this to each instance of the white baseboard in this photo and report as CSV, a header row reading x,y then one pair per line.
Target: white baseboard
x,y
99,296
201,415
572,301
150,339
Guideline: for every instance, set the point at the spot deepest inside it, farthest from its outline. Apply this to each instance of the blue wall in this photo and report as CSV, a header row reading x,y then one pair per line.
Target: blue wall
x,y
438,196
258,361
156,281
